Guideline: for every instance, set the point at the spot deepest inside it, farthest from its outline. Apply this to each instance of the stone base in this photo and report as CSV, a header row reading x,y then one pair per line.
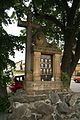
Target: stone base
x,y
39,87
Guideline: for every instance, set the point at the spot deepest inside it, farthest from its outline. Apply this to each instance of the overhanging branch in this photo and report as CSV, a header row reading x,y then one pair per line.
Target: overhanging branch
x,y
53,19
77,21
75,5
71,13
65,5
48,17
34,7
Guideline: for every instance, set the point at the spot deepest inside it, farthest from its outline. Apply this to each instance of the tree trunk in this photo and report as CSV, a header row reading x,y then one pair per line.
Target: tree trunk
x,y
67,55
4,102
76,56
3,90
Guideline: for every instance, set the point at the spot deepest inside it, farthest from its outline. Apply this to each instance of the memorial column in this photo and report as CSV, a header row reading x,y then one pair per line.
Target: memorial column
x,y
36,66
56,66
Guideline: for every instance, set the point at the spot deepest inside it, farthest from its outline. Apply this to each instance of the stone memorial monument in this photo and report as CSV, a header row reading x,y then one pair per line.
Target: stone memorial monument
x,y
42,61
45,66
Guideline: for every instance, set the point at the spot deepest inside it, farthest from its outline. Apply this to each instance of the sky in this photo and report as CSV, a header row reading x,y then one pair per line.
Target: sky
x,y
18,56
15,30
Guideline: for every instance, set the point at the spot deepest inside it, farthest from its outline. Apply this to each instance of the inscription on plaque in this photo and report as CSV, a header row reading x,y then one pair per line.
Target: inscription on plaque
x,y
46,67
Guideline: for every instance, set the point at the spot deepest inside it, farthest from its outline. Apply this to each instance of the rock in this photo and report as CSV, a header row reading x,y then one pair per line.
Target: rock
x,y
62,107
65,96
38,116
43,108
74,118
74,99
57,117
20,112
62,95
17,104
28,118
22,97
28,99
48,101
48,117
54,106
54,97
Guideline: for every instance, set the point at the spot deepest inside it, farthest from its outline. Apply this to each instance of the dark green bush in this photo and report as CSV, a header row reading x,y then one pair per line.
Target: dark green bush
x,y
66,80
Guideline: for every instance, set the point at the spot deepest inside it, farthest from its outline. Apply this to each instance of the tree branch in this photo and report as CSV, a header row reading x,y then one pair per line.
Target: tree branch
x,y
34,7
76,56
43,7
53,19
77,21
77,51
72,11
65,5
74,6
48,17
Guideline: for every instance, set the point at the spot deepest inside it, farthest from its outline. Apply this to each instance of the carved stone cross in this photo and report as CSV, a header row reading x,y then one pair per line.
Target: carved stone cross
x,y
29,26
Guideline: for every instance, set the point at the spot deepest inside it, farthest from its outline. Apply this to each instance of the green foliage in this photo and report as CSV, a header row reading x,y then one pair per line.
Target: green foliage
x,y
4,105
8,43
10,94
18,72
65,79
5,77
78,74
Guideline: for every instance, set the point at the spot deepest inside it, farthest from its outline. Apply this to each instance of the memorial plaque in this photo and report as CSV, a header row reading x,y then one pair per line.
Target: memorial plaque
x,y
46,73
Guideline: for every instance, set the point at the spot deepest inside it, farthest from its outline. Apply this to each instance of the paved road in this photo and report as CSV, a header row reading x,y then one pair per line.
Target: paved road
x,y
75,87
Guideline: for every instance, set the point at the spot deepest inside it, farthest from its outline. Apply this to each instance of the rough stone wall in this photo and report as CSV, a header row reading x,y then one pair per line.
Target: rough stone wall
x,y
53,106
